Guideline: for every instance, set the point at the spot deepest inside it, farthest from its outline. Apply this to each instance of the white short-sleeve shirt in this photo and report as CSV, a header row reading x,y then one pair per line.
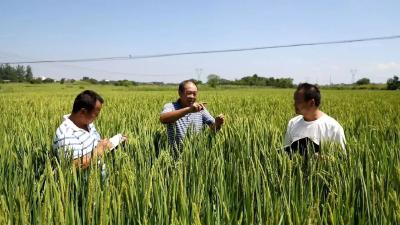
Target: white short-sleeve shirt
x,y
323,129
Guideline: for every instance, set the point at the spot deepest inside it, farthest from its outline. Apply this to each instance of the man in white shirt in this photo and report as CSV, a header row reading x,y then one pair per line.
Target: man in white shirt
x,y
311,123
77,135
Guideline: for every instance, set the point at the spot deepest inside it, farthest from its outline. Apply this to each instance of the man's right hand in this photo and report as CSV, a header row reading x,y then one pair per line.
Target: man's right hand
x,y
84,162
197,107
172,116
104,145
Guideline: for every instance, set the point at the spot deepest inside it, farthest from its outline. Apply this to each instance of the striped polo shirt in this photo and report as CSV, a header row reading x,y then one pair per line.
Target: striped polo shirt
x,y
75,141
194,122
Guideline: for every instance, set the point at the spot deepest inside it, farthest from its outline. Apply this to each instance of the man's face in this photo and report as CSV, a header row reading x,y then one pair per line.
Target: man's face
x,y
89,117
300,105
189,94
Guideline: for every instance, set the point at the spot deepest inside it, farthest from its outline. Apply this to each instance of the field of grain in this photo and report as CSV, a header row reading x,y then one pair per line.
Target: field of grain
x,y
237,176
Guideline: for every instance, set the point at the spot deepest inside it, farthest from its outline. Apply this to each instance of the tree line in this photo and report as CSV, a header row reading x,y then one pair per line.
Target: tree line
x,y
15,74
214,80
21,73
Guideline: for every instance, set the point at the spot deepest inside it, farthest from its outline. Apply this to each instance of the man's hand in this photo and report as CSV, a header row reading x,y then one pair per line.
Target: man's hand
x,y
197,107
124,138
84,161
171,117
219,120
103,146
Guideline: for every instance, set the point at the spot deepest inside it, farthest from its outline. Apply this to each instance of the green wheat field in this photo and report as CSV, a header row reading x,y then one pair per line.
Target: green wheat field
x,y
237,176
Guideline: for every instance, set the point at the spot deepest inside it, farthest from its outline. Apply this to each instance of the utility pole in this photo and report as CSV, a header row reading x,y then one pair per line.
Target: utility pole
x,y
199,71
353,75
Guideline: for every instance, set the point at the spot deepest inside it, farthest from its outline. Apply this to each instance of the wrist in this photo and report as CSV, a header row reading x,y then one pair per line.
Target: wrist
x,y
188,110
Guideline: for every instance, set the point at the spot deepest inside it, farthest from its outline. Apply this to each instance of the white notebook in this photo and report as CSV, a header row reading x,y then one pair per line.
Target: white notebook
x,y
116,140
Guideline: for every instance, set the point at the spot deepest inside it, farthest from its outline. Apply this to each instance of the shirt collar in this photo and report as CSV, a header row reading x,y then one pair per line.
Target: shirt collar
x,y
178,104
73,126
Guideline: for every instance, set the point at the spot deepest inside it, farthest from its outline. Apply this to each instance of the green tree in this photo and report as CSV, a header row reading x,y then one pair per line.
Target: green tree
x,y
15,74
20,73
125,83
363,81
393,83
213,80
28,73
90,80
48,80
197,82
256,80
36,81
8,73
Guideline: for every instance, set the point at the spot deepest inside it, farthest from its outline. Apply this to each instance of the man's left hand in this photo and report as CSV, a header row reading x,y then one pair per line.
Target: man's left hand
x,y
219,120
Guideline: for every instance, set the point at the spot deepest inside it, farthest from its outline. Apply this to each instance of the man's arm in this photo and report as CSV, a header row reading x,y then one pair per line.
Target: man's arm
x,y
97,152
172,116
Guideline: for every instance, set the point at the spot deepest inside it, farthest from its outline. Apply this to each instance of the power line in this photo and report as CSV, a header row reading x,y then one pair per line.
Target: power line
x,y
131,57
97,70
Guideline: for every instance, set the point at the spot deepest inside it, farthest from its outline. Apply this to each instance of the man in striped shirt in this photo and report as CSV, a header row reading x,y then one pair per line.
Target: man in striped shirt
x,y
77,136
187,114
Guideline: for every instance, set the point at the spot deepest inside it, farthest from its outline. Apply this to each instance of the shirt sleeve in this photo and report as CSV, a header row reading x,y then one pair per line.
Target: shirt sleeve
x,y
71,146
288,137
340,137
207,118
169,107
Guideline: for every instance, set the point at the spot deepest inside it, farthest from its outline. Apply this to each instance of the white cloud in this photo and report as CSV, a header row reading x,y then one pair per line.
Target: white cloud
x,y
388,66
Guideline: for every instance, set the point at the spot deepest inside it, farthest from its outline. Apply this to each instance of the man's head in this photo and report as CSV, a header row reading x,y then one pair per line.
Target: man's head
x,y
187,92
87,106
307,98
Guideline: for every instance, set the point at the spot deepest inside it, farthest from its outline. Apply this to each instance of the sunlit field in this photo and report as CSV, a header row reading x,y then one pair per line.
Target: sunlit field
x,y
237,176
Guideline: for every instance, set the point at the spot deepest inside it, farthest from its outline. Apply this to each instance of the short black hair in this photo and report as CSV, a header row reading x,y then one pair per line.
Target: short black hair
x,y
310,91
86,100
182,84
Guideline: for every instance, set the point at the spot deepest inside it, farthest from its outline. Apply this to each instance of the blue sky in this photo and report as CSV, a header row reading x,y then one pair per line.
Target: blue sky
x,y
36,30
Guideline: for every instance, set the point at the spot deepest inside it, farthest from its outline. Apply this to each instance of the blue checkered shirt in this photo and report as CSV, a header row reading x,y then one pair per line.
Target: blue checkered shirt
x,y
194,122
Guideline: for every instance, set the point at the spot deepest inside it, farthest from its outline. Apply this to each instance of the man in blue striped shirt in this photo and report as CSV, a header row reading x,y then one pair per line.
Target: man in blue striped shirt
x,y
77,136
187,114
